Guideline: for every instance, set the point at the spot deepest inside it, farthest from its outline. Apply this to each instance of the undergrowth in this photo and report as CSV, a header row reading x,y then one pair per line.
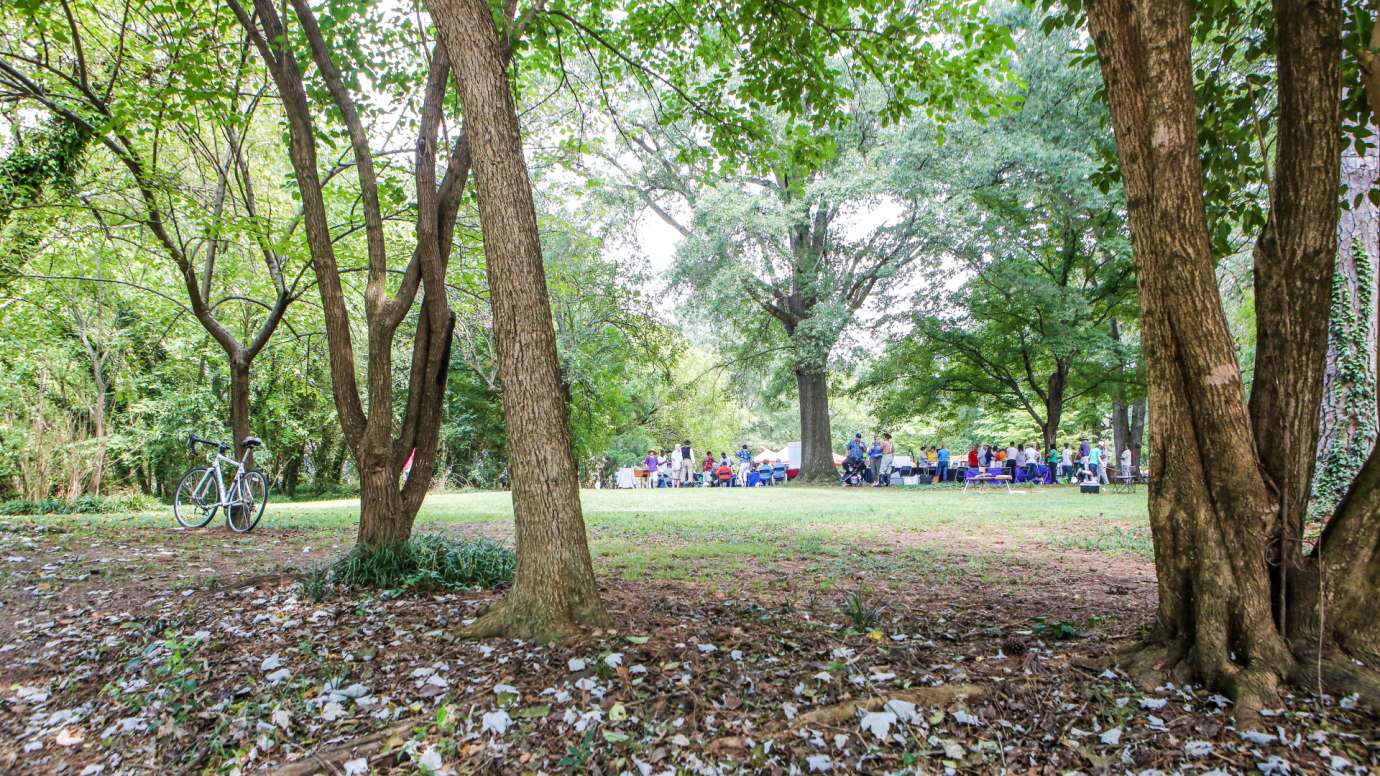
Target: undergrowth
x,y
82,505
423,564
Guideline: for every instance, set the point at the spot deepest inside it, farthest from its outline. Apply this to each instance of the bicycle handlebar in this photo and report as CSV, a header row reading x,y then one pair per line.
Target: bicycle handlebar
x,y
193,440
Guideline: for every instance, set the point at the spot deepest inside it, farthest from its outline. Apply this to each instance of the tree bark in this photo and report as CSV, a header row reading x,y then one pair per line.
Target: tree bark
x,y
554,593
1054,403
816,433
239,406
1213,525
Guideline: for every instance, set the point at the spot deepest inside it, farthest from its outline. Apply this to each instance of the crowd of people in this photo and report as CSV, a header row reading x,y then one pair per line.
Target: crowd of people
x,y
679,467
1089,461
876,464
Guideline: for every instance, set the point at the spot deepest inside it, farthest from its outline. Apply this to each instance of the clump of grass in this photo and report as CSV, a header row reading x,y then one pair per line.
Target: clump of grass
x,y
423,564
861,611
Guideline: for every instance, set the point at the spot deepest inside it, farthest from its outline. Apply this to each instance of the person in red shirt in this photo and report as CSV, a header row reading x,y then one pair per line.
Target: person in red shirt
x,y
708,467
973,458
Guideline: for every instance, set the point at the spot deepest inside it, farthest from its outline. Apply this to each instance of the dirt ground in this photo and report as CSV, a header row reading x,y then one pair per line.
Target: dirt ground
x,y
155,651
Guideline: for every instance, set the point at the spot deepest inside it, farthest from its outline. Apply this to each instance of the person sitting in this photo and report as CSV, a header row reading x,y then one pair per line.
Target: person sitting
x,y
724,473
707,468
778,473
764,473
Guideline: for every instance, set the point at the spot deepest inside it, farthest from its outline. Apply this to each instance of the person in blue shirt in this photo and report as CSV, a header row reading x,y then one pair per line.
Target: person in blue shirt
x,y
874,460
1095,461
744,456
942,458
855,447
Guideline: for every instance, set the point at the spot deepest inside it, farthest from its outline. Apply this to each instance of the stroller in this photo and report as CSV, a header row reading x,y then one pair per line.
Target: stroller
x,y
853,472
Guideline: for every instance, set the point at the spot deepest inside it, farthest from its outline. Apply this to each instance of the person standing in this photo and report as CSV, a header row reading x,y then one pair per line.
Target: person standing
x,y
888,455
1066,464
1126,463
974,457
874,460
744,464
687,463
942,460
1052,461
855,448
1107,463
1032,462
675,465
650,463
1095,461
1012,459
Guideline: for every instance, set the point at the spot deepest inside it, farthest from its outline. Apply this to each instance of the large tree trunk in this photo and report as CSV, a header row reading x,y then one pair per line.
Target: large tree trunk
x,y
239,406
1216,528
554,593
816,433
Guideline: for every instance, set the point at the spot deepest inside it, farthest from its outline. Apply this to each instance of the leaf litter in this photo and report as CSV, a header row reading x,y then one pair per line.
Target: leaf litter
x,y
249,676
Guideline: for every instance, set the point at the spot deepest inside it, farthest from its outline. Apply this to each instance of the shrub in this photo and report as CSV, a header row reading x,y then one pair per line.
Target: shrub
x,y
82,505
424,563
861,611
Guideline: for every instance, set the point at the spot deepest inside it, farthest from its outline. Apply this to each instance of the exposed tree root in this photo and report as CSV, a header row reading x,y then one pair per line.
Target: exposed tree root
x,y
539,622
374,747
1339,675
842,713
1149,664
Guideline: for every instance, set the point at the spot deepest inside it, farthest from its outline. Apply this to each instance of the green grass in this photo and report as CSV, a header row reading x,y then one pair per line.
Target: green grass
x,y
710,534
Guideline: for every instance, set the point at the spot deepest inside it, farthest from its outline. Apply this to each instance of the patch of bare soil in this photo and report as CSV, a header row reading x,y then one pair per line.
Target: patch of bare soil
x,y
1006,667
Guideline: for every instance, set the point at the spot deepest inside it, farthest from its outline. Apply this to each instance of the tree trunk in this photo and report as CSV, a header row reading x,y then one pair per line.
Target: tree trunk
x,y
1137,436
292,470
239,406
816,434
382,520
1054,403
554,593
1214,526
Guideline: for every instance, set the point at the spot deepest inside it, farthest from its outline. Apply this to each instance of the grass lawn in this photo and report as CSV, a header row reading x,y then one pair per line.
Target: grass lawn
x,y
712,535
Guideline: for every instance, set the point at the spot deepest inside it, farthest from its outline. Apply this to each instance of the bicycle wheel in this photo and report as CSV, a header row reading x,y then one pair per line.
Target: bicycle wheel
x,y
248,502
194,504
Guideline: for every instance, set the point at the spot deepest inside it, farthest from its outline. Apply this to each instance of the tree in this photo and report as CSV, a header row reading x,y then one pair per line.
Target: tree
x,y
179,137
1241,603
1035,324
554,593
771,258
387,508
765,247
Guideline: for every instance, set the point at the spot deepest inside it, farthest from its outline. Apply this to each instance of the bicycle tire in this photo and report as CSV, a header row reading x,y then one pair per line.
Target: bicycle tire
x,y
251,496
194,503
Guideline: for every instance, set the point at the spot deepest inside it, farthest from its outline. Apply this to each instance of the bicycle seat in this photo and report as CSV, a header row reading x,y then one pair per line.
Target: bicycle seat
x,y
252,442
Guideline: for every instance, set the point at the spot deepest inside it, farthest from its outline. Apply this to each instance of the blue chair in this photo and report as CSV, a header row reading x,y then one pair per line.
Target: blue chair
x,y
778,472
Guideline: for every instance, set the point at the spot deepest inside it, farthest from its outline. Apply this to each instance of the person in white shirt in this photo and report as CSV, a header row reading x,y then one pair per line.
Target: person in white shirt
x,y
1126,462
1032,461
676,464
1066,470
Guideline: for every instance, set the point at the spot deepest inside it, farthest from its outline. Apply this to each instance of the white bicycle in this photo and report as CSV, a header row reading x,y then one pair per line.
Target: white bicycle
x,y
202,490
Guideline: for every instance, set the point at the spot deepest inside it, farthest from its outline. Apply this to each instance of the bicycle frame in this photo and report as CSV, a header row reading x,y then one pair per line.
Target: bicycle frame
x,y
215,467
